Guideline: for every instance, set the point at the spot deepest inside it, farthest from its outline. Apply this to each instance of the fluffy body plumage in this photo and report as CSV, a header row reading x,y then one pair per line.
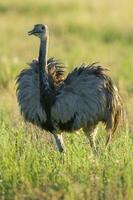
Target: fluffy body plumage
x,y
28,91
86,97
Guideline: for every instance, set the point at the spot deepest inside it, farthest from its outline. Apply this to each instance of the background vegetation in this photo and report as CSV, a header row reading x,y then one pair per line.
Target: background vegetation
x,y
80,31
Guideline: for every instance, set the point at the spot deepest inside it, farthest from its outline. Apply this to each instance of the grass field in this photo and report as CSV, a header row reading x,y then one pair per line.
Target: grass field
x,y
80,31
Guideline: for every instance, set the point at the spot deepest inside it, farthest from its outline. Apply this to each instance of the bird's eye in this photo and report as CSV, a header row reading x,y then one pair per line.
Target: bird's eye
x,y
42,27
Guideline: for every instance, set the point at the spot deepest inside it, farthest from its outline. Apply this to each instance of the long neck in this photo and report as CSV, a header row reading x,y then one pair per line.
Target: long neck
x,y
43,54
44,81
46,93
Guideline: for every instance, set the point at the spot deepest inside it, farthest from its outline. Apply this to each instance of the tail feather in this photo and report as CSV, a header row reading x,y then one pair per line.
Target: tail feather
x,y
115,113
119,115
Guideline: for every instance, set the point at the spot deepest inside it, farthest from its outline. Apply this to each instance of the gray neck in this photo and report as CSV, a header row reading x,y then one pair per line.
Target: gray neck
x,y
43,54
46,93
44,81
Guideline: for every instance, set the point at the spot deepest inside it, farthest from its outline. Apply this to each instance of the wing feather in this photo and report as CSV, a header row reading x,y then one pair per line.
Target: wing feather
x,y
56,70
28,92
82,99
28,95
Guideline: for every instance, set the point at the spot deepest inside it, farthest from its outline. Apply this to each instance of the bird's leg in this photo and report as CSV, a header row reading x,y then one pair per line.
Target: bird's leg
x,y
108,136
91,135
59,142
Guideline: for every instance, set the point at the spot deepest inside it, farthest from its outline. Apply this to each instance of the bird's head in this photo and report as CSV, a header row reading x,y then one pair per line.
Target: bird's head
x,y
39,30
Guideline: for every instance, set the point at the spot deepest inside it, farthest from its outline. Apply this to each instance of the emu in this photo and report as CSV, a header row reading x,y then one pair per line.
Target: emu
x,y
84,98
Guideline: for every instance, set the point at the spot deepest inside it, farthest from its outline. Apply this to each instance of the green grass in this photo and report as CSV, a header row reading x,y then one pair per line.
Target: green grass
x,y
30,167
80,31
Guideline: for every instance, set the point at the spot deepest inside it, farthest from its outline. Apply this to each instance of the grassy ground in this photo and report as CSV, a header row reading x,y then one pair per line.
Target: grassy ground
x,y
80,31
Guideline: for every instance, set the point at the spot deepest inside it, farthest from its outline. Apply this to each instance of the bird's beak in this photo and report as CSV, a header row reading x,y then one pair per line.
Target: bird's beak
x,y
31,32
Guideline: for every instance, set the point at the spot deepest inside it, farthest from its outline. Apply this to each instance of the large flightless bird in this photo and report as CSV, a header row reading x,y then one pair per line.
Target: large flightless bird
x,y
56,104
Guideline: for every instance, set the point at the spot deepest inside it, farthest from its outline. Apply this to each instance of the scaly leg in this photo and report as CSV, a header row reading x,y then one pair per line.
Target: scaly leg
x,y
91,135
108,136
59,142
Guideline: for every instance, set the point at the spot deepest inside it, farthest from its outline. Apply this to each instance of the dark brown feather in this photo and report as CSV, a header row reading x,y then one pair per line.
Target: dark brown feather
x,y
56,71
